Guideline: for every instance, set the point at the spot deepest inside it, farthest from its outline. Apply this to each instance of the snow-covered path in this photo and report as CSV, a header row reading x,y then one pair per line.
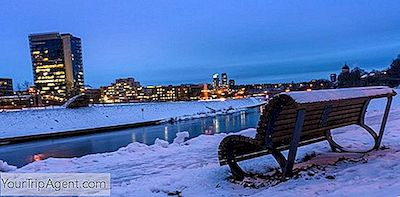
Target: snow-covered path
x,y
191,168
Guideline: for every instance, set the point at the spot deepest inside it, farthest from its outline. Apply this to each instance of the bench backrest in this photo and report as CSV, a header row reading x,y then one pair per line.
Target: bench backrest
x,y
324,110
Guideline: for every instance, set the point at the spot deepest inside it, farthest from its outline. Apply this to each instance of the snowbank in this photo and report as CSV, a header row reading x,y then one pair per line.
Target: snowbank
x,y
4,167
191,168
32,122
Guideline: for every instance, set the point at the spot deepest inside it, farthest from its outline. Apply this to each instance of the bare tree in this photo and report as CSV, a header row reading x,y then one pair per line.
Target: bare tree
x,y
24,86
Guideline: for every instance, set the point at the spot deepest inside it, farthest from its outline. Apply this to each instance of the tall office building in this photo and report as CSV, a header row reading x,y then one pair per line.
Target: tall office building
x,y
215,81
6,87
224,79
231,83
57,65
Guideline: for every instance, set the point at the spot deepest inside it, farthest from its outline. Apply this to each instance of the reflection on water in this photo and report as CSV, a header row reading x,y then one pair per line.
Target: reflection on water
x,y
22,154
216,125
39,157
133,137
243,117
166,133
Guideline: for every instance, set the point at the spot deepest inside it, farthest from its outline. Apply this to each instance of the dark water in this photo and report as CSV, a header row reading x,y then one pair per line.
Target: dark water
x,y
24,153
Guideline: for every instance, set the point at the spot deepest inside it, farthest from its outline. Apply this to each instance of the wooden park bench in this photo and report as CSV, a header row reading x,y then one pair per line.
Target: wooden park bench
x,y
294,119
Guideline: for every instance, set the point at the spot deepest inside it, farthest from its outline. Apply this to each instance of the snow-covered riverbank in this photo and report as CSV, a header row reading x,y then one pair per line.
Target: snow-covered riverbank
x,y
191,168
44,121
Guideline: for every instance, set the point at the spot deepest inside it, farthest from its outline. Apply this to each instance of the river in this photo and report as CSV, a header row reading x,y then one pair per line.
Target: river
x,y
23,153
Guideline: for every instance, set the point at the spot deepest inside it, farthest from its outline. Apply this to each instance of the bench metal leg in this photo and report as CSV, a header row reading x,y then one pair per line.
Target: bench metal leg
x,y
331,143
334,146
383,124
287,171
237,172
362,122
377,137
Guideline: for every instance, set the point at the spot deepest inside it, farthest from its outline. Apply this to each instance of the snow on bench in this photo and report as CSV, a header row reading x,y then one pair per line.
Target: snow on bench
x,y
338,94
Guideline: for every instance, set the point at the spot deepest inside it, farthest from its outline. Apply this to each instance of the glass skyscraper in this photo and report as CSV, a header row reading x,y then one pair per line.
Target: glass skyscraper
x,y
224,79
57,65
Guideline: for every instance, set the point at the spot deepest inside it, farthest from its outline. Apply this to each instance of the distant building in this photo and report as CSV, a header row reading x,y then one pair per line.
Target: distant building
x,y
345,68
167,93
344,78
146,93
349,79
224,79
215,81
57,65
19,101
184,92
93,94
231,83
333,77
122,91
158,93
6,87
192,92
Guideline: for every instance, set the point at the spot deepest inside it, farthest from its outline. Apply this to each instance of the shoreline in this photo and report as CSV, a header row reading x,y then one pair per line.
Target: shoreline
x,y
78,132
105,129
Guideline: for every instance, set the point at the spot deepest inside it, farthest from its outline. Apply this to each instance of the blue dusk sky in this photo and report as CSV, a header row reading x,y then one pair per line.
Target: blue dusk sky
x,y
173,42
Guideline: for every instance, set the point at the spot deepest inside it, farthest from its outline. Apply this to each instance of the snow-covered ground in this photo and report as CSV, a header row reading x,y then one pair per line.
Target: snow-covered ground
x,y
39,121
191,168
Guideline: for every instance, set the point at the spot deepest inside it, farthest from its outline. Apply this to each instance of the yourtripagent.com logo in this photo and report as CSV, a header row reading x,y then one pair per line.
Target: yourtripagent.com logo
x,y
55,184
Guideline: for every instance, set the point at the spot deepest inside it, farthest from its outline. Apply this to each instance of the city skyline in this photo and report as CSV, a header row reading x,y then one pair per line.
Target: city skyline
x,y
199,98
192,42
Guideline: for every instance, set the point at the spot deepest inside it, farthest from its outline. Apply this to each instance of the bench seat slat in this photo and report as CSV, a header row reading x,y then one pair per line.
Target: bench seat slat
x,y
313,132
317,116
315,123
284,117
